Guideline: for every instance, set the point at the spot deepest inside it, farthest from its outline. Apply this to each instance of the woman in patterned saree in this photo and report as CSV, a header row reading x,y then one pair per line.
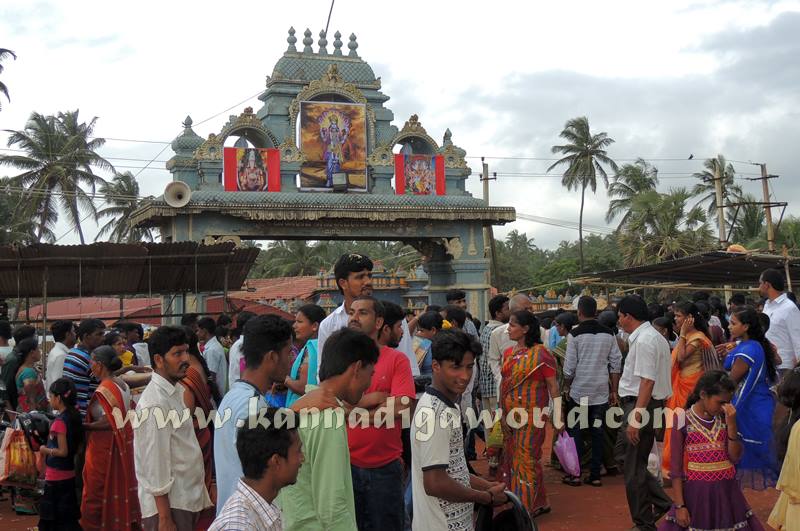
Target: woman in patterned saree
x,y
198,391
110,498
528,383
687,365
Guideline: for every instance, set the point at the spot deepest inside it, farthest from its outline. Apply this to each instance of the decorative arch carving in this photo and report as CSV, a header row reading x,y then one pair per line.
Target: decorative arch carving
x,y
332,83
248,121
413,129
211,149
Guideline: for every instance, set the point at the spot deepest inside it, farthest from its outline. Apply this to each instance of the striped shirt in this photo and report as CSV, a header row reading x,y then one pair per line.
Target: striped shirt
x,y
592,353
246,510
77,367
487,384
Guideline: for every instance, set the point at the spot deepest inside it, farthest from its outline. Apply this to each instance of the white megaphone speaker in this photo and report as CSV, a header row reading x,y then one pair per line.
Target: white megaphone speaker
x,y
177,194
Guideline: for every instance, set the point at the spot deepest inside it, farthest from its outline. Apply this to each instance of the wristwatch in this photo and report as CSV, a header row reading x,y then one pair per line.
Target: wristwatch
x,y
681,506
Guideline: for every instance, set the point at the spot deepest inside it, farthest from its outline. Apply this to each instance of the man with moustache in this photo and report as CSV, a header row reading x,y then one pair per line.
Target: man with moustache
x,y
353,275
168,459
375,452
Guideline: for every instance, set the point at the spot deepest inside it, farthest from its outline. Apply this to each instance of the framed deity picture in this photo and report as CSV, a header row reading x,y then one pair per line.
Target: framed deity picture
x,y
333,138
252,169
419,174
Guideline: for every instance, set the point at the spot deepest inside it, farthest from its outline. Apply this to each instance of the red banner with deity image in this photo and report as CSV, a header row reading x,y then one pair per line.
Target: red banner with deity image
x,y
419,174
252,169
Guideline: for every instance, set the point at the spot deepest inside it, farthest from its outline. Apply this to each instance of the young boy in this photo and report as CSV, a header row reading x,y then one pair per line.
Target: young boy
x,y
444,491
271,459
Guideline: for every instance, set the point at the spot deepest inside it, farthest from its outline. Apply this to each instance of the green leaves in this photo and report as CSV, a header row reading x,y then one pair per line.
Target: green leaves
x,y
57,169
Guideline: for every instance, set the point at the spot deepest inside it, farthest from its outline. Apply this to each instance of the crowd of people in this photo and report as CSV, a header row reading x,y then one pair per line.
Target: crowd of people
x,y
367,418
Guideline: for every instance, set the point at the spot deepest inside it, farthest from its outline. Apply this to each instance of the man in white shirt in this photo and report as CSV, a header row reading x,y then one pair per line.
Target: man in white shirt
x,y
784,319
168,459
213,352
353,276
644,386
499,341
64,336
235,354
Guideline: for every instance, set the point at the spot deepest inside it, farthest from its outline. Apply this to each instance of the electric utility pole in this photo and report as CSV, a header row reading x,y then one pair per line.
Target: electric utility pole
x,y
723,240
488,233
765,177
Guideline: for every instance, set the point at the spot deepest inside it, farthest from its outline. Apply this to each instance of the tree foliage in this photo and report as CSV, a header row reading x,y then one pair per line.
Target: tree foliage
x,y
121,197
585,157
663,227
58,161
4,54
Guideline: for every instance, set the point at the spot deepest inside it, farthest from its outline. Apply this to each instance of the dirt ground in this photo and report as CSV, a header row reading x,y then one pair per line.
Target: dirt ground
x,y
574,508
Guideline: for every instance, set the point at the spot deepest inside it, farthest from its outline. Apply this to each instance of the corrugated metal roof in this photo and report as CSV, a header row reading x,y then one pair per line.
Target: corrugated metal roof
x,y
121,269
716,268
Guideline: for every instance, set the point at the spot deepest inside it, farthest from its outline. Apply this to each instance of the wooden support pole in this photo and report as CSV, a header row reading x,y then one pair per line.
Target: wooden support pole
x,y
43,344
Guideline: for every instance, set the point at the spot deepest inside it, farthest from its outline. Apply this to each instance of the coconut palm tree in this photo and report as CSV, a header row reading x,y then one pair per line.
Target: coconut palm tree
x,y
293,258
788,233
629,182
4,54
15,226
749,225
585,157
662,227
706,190
60,153
121,197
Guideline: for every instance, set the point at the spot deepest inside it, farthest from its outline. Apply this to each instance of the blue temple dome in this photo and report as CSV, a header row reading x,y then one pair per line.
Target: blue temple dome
x,y
188,141
307,65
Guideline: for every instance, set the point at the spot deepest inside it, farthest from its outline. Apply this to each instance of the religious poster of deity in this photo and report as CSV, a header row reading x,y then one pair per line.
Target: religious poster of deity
x,y
252,169
333,138
419,174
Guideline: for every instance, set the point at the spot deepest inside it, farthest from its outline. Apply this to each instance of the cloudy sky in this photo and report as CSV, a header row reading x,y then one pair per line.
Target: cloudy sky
x,y
665,79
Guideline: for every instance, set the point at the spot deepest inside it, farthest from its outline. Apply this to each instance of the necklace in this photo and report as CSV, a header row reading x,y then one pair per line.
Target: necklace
x,y
700,424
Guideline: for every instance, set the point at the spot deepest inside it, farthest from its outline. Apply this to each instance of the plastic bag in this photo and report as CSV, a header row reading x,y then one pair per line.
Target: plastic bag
x,y
17,460
568,455
495,438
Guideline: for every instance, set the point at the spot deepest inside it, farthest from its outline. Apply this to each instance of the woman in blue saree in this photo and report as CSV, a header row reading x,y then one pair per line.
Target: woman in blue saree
x,y
752,366
304,369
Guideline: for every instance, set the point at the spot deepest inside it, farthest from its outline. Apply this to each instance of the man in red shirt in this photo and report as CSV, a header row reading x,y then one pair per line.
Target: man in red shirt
x,y
376,449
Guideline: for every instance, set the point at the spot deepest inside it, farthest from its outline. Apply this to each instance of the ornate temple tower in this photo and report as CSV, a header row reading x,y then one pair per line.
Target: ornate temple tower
x,y
446,229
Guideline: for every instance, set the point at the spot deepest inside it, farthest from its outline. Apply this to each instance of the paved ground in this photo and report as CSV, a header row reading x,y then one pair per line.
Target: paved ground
x,y
574,508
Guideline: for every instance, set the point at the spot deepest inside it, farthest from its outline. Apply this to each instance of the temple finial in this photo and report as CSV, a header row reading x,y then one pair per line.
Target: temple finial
x,y
337,43
323,43
307,41
291,39
187,123
353,45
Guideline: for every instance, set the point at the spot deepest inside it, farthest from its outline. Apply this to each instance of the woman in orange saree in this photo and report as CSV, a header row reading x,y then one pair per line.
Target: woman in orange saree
x,y
687,365
528,382
110,498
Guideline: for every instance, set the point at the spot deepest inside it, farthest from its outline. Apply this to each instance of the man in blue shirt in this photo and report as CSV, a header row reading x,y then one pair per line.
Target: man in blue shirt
x,y
266,347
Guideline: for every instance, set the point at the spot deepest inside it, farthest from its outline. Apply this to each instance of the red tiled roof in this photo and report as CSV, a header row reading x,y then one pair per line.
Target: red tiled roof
x,y
270,289
100,307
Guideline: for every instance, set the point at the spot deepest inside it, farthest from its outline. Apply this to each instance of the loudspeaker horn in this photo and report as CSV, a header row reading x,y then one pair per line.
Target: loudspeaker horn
x,y
177,194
